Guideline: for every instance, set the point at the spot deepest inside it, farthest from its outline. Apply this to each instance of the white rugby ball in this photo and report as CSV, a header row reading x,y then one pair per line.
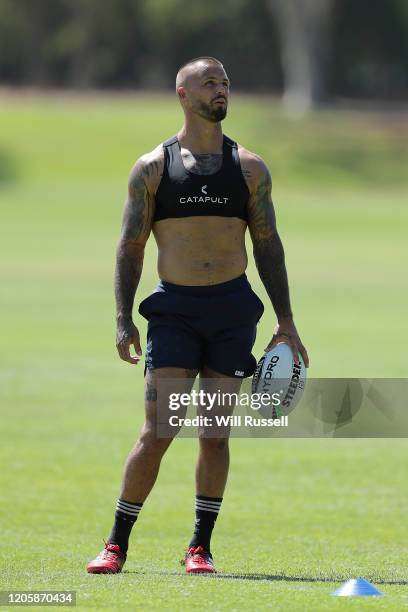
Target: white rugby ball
x,y
277,373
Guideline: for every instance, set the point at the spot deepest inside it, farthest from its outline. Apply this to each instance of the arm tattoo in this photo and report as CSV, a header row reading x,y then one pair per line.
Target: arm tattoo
x,y
247,174
268,250
137,221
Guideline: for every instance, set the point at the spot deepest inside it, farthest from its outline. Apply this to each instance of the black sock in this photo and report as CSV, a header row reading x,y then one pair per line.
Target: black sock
x,y
207,509
125,517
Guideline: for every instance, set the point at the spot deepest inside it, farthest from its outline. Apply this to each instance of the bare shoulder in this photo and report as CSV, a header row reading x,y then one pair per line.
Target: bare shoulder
x,y
254,169
148,169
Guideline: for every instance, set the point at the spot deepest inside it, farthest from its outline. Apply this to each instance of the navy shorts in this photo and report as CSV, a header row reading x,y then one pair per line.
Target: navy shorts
x,y
195,326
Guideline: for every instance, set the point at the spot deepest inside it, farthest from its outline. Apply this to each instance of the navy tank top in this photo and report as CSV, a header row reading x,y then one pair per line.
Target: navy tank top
x,y
182,193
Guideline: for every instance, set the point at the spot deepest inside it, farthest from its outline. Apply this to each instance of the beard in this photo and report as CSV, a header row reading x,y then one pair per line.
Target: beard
x,y
213,114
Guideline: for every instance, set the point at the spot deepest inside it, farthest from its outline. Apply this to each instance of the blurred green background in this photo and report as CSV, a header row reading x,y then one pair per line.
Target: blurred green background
x,y
299,516
340,192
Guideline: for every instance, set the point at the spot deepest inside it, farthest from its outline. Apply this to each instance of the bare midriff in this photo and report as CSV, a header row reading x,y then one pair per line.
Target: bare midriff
x,y
200,250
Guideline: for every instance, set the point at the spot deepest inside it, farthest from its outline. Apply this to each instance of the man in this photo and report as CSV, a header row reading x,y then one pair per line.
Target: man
x,y
197,192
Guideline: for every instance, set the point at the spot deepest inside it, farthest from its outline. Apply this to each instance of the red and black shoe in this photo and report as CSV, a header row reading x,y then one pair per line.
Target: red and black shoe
x,y
199,561
109,561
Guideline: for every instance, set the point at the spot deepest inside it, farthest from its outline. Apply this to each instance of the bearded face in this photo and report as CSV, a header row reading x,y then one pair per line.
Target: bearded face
x,y
214,111
204,90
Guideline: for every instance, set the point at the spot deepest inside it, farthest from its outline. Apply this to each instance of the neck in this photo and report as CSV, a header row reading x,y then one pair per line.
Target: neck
x,y
201,136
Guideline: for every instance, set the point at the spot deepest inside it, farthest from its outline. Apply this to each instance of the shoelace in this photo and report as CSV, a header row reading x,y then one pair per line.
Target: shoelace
x,y
111,555
200,555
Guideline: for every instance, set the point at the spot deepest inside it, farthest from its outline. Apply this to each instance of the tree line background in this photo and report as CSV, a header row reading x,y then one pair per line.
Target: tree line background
x,y
311,50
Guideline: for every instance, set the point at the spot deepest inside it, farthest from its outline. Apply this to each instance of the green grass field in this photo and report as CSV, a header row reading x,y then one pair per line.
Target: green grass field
x,y
299,516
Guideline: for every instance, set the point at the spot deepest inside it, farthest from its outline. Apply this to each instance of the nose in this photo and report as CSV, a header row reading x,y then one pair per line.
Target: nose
x,y
222,90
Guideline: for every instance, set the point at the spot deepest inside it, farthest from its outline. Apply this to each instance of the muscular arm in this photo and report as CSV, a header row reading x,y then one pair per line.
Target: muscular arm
x,y
269,254
136,227
268,249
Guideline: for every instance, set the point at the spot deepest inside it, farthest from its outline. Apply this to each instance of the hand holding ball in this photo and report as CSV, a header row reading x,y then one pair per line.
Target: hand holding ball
x,y
277,373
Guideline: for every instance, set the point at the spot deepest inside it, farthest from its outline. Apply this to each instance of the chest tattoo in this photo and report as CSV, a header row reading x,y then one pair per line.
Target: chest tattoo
x,y
203,163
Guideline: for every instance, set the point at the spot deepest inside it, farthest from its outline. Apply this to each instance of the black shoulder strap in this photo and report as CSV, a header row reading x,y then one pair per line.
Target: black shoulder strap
x,y
172,154
170,141
231,148
170,147
229,141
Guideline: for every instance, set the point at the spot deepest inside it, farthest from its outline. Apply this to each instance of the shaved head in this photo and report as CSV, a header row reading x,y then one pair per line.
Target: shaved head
x,y
194,66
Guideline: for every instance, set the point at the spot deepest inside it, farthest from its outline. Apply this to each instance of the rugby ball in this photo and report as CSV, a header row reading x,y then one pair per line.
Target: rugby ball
x,y
277,373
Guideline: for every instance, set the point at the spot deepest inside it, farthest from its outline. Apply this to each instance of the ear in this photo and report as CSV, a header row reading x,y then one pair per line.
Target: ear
x,y
181,92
